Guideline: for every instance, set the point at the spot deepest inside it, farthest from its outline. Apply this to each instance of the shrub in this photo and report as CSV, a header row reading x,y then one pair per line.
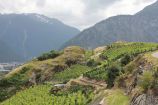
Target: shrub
x,y
126,59
146,80
92,63
113,72
52,54
3,94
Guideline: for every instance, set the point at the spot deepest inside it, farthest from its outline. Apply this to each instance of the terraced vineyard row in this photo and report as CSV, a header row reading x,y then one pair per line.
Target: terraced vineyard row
x,y
72,72
115,52
77,98
98,74
39,95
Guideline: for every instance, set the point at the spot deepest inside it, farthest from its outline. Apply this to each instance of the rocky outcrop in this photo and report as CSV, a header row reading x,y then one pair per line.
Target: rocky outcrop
x,y
131,82
145,99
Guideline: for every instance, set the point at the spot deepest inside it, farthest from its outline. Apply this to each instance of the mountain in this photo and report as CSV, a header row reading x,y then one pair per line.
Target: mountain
x,y
32,34
143,26
8,54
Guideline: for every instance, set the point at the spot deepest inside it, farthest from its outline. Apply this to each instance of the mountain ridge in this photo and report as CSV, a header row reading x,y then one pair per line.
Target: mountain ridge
x,y
32,34
141,26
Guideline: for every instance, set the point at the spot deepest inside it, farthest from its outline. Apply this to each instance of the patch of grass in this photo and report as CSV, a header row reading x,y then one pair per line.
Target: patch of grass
x,y
88,54
37,95
70,73
117,97
146,80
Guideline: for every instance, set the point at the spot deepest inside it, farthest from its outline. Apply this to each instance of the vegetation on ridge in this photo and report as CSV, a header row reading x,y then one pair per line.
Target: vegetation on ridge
x,y
120,65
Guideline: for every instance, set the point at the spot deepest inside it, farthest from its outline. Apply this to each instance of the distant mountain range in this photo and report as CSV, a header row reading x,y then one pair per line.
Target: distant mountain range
x,y
7,53
143,26
29,35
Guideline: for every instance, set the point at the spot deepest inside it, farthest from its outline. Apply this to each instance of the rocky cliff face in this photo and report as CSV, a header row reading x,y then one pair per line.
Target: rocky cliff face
x,y
145,99
139,96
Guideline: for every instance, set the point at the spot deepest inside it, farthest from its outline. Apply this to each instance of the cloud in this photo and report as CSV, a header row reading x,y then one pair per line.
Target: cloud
x,y
40,3
78,13
96,5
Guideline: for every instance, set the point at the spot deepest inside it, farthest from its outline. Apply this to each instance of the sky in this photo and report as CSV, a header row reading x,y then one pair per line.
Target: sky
x,y
78,13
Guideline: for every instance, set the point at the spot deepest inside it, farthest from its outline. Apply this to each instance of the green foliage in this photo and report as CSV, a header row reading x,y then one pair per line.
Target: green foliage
x,y
113,72
3,94
146,80
108,71
92,63
72,72
117,51
117,97
98,74
50,55
19,78
15,82
112,67
37,95
76,95
155,82
107,74
88,54
126,59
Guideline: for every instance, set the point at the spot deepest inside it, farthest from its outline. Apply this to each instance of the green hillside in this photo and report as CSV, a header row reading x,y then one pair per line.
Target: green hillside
x,y
120,72
37,95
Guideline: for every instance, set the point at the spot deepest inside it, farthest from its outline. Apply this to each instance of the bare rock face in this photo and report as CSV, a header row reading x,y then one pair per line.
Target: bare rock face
x,y
99,49
74,49
73,55
145,99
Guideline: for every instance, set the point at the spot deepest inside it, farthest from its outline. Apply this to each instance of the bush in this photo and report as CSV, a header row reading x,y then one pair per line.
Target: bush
x,y
113,72
126,59
146,80
52,54
92,63
3,94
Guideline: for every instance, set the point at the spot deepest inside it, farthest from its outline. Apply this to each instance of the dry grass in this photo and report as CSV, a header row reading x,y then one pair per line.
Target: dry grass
x,y
48,67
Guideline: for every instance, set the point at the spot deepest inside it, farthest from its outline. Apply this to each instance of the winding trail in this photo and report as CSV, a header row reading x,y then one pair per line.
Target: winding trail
x,y
155,54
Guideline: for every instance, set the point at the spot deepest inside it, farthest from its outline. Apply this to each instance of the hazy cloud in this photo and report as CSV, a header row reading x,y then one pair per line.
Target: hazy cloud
x,y
97,4
40,3
78,13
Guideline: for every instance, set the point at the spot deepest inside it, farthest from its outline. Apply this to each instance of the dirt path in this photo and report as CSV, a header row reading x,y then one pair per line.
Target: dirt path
x,y
155,54
85,81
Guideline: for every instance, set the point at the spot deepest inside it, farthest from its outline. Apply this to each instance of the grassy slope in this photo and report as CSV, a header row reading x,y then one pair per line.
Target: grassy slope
x,y
116,97
38,95
71,73
44,70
